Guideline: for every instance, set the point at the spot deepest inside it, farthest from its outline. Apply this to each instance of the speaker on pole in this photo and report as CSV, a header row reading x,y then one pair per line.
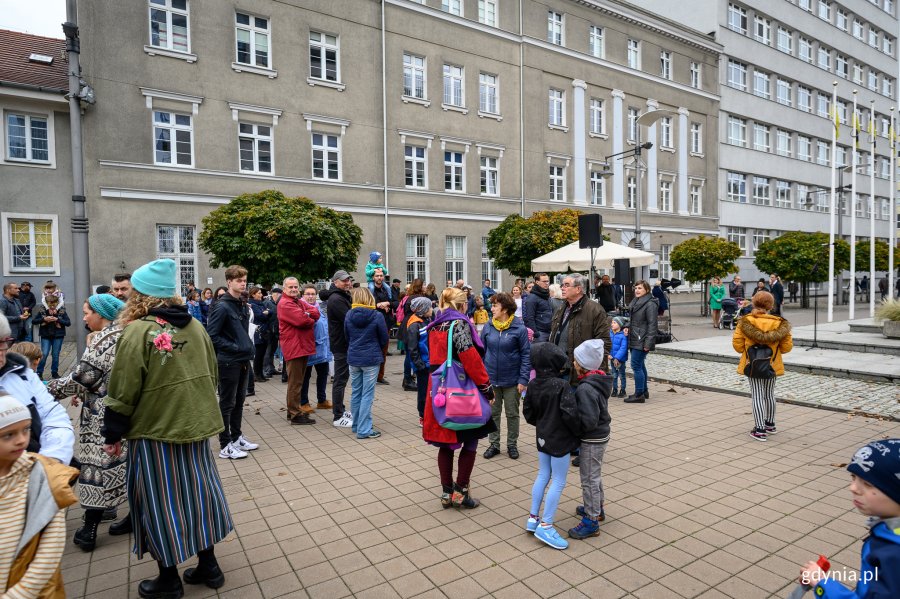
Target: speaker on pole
x,y
589,231
623,273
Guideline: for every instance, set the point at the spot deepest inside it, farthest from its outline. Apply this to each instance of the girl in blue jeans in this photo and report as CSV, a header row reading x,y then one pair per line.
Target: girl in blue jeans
x,y
52,321
366,334
550,407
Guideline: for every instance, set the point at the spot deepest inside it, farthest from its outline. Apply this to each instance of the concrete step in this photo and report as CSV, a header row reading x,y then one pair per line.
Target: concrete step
x,y
867,327
870,345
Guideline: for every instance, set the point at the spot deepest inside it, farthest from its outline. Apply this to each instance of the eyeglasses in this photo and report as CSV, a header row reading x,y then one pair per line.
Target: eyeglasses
x,y
567,285
6,343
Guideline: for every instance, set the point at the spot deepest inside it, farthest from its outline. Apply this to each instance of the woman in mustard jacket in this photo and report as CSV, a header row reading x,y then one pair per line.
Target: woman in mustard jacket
x,y
761,328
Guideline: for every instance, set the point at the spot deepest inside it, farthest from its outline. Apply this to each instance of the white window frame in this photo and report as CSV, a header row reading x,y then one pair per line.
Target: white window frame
x,y
454,171
487,13
665,64
666,136
761,137
256,139
454,77
598,189
489,179
630,192
804,98
841,66
597,117
488,270
455,266
762,30
634,53
556,107
417,259
415,70
857,73
488,93
186,261
173,128
887,44
804,148
824,11
785,40
632,117
697,139
736,187
737,75
873,36
595,42
50,162
556,28
737,131
761,191
823,153
739,236
783,143
695,203
872,80
823,58
859,31
318,51
696,75
841,21
762,84
557,183
887,86
170,11
454,7
665,261
665,196
7,253
326,155
805,49
737,18
783,92
415,165
783,197
253,31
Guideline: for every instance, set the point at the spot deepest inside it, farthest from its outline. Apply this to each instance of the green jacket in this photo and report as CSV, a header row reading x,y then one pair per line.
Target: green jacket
x,y
173,400
716,295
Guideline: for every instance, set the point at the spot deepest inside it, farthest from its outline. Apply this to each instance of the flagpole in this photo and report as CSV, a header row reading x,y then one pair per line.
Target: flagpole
x,y
834,135
892,223
852,308
871,287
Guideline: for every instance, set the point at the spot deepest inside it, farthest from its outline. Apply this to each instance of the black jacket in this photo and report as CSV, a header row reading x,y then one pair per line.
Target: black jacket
x,y
550,404
337,304
537,313
261,321
642,327
272,325
606,295
592,397
51,330
228,327
383,294
28,301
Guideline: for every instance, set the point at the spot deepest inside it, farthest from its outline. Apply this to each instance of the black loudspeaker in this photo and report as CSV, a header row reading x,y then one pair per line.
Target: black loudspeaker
x,y
623,272
589,231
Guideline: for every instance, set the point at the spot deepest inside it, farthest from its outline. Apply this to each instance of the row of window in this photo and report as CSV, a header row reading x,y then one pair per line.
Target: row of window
x,y
455,259
764,191
740,236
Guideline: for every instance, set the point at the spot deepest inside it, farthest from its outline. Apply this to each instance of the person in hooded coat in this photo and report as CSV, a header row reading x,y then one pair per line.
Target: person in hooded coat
x,y
367,335
642,331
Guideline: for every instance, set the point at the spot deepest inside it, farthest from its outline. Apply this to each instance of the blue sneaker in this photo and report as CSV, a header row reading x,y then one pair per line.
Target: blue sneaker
x,y
548,535
531,524
374,434
588,527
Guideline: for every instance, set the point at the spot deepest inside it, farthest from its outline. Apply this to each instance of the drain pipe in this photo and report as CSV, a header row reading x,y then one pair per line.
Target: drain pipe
x,y
387,246
521,114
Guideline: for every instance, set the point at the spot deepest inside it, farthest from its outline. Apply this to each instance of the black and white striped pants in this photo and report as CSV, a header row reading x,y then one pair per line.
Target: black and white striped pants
x,y
762,393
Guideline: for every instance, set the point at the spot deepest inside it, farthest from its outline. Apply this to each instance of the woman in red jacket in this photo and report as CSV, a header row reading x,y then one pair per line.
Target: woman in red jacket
x,y
468,350
296,329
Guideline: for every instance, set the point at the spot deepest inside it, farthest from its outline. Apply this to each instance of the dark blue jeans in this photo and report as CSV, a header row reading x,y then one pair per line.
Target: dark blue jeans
x,y
48,347
640,370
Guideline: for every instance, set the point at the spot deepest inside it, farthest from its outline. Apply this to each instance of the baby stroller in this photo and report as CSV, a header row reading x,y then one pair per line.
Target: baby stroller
x,y
729,313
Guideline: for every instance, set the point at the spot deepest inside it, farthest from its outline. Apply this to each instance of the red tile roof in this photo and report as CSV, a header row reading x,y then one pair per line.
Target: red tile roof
x,y
16,47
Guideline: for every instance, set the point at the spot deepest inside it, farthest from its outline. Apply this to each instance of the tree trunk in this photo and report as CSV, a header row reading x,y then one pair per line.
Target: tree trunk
x,y
804,299
704,300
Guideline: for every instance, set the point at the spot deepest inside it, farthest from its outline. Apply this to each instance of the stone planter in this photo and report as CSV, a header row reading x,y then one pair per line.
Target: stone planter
x,y
891,329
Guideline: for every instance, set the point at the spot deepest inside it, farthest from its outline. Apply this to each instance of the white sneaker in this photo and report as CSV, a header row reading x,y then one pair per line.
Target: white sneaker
x,y
230,452
345,421
243,444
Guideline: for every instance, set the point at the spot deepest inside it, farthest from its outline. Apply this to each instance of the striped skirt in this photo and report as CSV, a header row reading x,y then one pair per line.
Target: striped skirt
x,y
178,506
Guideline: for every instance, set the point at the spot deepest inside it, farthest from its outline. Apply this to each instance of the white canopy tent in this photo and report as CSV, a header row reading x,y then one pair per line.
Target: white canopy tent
x,y
571,258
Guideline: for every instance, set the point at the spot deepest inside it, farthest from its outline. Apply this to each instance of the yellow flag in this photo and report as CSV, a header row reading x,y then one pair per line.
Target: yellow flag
x,y
837,120
892,135
856,128
871,130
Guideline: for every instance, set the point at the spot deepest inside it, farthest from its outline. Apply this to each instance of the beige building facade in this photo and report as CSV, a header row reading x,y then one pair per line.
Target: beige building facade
x,y
429,122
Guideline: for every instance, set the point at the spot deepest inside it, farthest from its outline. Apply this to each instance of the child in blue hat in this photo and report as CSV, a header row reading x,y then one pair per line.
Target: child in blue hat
x,y
375,263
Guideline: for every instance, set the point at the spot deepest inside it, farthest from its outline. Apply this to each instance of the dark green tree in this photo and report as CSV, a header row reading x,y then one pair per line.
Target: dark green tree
x,y
882,250
702,258
274,236
801,257
515,242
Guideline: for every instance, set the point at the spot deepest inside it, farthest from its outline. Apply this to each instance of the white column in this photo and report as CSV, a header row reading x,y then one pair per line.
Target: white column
x,y
579,152
652,170
618,138
683,141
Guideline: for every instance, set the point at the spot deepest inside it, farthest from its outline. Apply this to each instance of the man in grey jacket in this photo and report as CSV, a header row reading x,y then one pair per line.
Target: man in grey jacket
x,y
12,310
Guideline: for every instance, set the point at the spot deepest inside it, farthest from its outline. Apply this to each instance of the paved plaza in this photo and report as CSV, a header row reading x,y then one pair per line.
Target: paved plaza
x,y
695,508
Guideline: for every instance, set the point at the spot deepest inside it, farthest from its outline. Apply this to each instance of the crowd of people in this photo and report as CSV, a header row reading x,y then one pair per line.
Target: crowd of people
x,y
163,373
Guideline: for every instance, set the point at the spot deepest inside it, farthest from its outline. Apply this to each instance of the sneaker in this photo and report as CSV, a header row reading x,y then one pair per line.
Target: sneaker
x,y
374,434
346,420
531,524
244,445
588,527
758,435
548,535
580,511
615,393
230,452
770,428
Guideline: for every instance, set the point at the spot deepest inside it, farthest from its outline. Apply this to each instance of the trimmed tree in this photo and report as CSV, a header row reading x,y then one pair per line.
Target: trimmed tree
x,y
702,258
274,236
515,242
801,257
882,250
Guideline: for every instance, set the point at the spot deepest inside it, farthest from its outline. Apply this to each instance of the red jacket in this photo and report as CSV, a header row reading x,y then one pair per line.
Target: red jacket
x,y
296,327
472,363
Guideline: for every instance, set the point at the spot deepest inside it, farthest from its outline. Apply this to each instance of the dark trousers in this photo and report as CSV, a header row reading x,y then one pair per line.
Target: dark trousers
x,y
407,368
232,392
269,360
296,371
341,376
421,390
384,351
258,360
321,383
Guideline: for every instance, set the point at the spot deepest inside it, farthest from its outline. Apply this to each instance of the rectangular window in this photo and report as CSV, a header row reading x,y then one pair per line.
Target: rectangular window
x,y
857,73
805,50
737,19
598,188
630,192
858,29
488,93
887,44
414,76
597,122
825,10
255,143
761,193
762,30
841,20
595,41
487,12
841,66
737,131
454,90
804,148
873,80
417,257
252,36
490,176
783,194
323,57
887,87
823,105
696,138
805,5
416,166
454,7
173,139
823,153
804,98
326,157
842,111
737,187
32,246
456,258
783,92
760,236
177,242
739,236
557,183
169,25
488,270
666,139
665,261
632,123
27,138
696,75
696,200
737,75
873,37
824,58
665,196
555,28
634,54
454,172
761,137
556,108
783,143
762,84
785,40
804,201
665,64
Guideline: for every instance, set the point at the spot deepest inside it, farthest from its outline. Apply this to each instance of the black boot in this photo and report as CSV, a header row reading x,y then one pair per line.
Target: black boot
x,y
122,527
86,536
461,498
207,571
165,586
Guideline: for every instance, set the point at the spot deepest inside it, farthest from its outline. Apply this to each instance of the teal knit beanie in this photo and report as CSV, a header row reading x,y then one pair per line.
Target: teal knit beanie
x,y
106,305
156,279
